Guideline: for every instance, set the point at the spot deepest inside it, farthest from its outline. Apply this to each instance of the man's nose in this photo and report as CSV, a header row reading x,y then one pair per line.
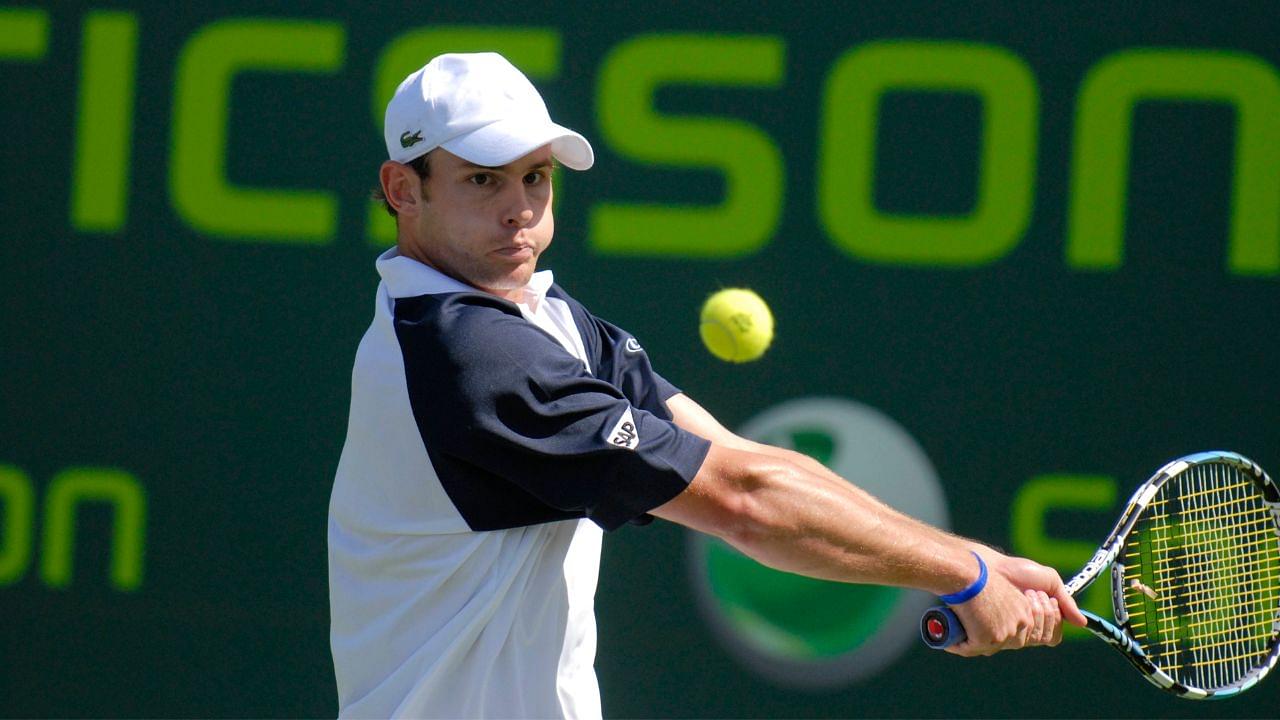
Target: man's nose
x,y
519,211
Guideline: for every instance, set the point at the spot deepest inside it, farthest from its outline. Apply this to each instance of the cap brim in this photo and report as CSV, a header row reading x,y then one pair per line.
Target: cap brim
x,y
505,141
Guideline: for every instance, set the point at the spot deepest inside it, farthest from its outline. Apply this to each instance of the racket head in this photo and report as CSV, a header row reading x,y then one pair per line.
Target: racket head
x,y
1195,577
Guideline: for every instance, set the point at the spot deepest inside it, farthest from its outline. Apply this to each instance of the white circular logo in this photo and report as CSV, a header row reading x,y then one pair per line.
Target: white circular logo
x,y
802,632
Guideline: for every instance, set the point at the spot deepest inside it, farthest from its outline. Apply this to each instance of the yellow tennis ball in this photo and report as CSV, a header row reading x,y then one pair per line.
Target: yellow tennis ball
x,y
736,325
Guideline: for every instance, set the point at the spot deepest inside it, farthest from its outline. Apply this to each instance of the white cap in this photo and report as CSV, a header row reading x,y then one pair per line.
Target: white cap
x,y
479,107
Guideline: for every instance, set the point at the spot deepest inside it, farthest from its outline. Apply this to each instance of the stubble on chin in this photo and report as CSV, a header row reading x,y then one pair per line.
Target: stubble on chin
x,y
505,281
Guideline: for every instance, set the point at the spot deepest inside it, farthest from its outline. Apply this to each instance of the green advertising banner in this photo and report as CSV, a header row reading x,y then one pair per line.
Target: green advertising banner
x,y
1019,255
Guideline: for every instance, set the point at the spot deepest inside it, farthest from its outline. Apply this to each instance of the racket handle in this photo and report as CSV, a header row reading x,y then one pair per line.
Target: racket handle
x,y
940,628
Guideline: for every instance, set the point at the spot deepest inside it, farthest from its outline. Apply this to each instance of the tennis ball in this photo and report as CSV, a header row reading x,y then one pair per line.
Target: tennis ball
x,y
736,325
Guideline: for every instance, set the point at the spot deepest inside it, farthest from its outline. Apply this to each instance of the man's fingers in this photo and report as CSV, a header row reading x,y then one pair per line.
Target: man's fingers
x,y
1056,616
1039,613
1024,625
1034,576
1068,608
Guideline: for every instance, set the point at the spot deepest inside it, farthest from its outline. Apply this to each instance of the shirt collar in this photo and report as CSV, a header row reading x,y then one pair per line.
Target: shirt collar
x,y
535,290
406,277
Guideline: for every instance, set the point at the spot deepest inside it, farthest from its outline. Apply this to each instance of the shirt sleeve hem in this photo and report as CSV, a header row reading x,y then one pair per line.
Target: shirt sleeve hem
x,y
682,467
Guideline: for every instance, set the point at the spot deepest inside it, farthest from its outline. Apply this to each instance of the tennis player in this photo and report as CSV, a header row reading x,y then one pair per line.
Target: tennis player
x,y
498,428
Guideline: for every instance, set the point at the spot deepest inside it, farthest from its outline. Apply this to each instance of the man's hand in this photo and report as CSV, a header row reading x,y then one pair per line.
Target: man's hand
x,y
1023,604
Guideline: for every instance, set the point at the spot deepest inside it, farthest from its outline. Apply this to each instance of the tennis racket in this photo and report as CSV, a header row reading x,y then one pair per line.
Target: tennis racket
x,y
1195,579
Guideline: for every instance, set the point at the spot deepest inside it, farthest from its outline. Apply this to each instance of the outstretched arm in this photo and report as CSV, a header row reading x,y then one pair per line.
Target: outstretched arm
x,y
789,512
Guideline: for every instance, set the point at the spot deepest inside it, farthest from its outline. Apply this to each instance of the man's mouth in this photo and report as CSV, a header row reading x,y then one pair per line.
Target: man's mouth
x,y
515,252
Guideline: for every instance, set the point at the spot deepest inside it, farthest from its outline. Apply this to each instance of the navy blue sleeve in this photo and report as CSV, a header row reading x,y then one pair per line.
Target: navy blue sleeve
x,y
619,358
625,364
517,429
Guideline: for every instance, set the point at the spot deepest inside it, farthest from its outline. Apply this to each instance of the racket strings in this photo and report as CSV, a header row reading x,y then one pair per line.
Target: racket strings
x,y
1187,496
1202,577
1214,511
1259,537
1222,645
1249,604
1272,575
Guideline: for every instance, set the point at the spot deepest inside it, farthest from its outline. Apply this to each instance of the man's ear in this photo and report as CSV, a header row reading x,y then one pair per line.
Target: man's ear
x,y
402,187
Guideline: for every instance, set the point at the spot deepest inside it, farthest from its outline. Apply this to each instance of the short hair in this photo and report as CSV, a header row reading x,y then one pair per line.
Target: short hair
x,y
420,165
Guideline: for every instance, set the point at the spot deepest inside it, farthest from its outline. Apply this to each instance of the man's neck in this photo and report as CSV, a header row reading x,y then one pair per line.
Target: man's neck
x,y
412,251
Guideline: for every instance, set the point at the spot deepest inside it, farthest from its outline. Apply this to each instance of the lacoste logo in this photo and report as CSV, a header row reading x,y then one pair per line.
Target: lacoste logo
x,y
633,346
625,434
407,140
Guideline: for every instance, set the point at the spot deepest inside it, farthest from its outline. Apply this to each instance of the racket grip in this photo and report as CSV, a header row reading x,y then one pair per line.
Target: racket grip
x,y
940,628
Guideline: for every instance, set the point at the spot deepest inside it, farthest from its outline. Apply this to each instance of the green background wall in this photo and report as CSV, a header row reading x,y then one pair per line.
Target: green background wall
x,y
1044,240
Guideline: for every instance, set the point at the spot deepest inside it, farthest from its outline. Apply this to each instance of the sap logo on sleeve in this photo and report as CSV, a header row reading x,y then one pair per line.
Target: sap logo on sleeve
x,y
625,434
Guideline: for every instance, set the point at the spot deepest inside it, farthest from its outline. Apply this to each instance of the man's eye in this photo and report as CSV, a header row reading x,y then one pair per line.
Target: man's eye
x,y
534,178
481,179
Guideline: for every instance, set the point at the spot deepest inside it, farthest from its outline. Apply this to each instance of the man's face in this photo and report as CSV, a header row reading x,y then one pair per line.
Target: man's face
x,y
487,226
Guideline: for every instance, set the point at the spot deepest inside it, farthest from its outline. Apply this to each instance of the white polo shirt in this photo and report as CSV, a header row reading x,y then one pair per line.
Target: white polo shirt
x,y
488,444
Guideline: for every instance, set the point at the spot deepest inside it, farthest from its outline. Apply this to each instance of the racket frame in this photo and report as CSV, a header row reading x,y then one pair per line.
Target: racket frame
x,y
1118,634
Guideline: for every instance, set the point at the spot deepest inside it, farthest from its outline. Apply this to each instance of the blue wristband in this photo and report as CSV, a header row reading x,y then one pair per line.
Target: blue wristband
x,y
968,593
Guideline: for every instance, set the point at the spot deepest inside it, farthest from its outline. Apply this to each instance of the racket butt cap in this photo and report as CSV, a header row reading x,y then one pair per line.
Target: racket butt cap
x,y
940,628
